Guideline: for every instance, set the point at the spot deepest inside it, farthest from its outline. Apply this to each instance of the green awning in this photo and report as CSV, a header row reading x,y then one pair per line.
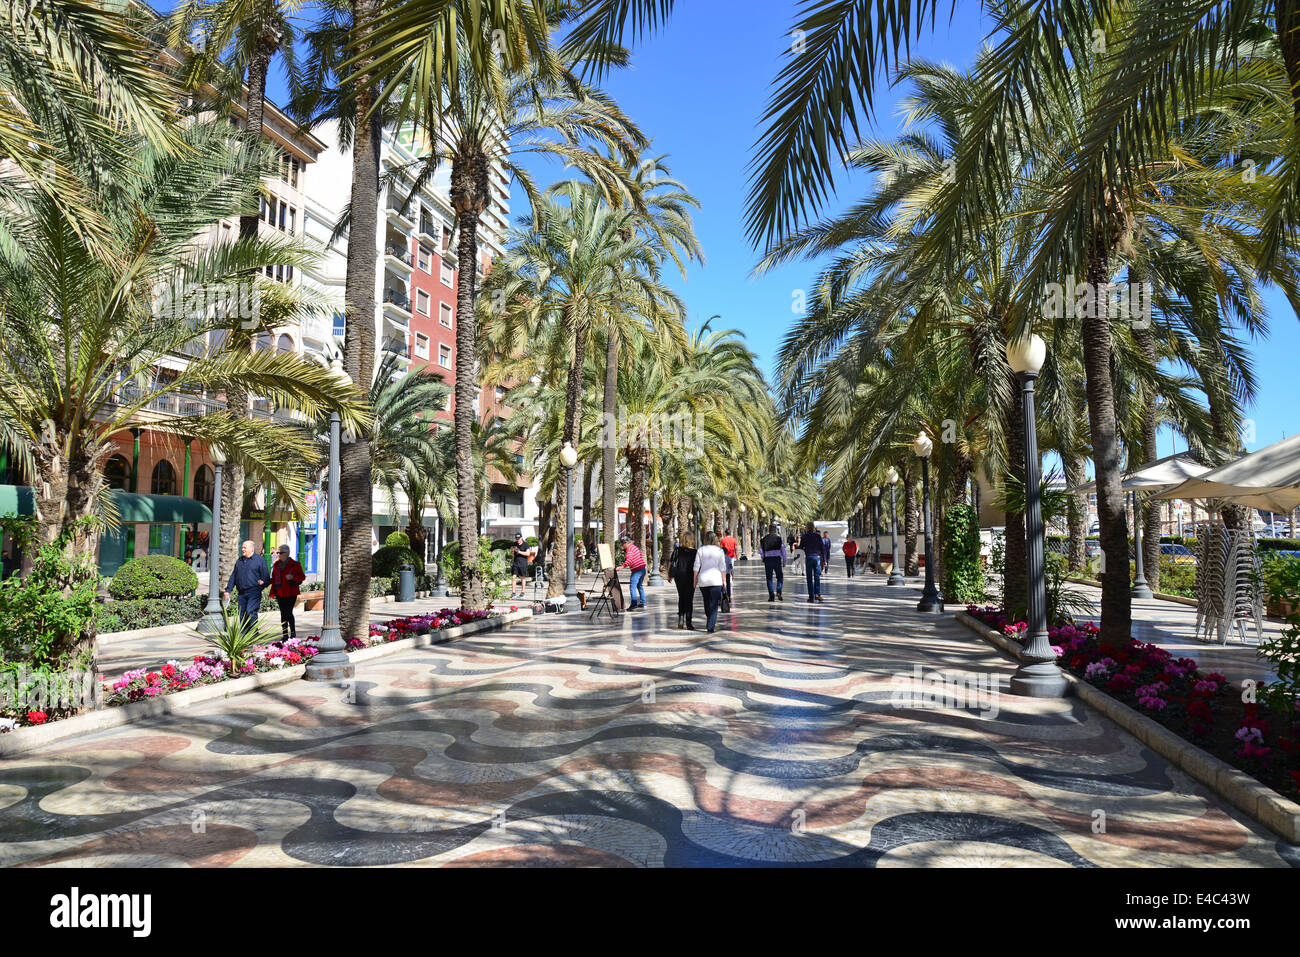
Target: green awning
x,y
136,507
16,500
132,507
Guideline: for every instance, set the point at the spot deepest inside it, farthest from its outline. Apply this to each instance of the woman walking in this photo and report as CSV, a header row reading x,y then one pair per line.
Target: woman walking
x,y
681,569
286,576
711,576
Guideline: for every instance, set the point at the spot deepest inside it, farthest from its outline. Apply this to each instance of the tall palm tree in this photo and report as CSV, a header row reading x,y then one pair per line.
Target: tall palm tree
x,y
84,335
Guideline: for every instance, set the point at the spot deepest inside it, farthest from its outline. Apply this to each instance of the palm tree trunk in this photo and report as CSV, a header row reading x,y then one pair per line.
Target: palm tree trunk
x,y
1116,612
638,460
469,196
911,520
1150,511
667,514
359,350
609,447
572,396
1075,474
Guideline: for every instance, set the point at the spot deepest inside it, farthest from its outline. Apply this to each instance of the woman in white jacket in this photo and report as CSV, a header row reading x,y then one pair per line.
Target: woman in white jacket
x,y
711,576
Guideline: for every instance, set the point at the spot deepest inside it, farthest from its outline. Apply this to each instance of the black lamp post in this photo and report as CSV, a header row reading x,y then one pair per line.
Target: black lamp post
x,y
895,575
931,600
1038,676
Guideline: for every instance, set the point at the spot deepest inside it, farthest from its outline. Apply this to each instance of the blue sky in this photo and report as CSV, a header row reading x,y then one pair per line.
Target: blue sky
x,y
699,88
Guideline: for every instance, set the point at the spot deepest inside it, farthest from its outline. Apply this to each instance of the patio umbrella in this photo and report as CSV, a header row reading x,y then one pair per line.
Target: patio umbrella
x,y
1267,479
1154,476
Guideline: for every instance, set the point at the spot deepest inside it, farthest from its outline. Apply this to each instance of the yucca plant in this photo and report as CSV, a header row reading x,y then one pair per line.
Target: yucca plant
x,y
238,635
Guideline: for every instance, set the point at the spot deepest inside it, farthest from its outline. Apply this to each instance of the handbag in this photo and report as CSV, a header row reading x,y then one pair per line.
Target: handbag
x,y
726,601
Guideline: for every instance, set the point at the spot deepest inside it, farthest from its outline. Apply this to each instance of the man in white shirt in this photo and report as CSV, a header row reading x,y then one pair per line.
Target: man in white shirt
x,y
711,576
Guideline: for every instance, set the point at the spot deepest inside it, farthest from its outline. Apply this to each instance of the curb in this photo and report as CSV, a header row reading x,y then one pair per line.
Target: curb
x,y
1279,814
32,737
1177,599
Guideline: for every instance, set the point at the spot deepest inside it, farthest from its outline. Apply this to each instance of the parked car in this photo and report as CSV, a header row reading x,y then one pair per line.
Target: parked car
x,y
1091,548
1178,554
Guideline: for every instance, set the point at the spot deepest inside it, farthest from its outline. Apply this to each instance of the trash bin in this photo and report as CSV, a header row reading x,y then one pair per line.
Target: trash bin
x,y
406,583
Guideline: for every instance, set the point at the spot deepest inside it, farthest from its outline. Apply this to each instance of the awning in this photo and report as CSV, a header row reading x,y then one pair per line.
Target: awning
x,y
132,507
1156,476
384,520
16,500
136,507
1267,479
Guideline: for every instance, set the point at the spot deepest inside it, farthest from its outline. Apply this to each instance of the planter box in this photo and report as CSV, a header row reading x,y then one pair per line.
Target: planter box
x,y
1277,813
312,600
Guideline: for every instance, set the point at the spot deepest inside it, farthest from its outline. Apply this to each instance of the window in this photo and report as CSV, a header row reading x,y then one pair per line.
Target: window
x,y
164,479
284,343
422,302
447,273
444,314
444,356
203,483
340,324
421,345
117,473
425,259
501,394
446,238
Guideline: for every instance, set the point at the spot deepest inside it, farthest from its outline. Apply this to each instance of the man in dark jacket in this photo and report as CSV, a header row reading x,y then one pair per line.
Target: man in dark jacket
x,y
813,553
248,578
773,551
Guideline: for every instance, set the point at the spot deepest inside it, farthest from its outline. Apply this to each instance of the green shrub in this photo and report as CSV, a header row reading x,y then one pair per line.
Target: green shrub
x,y
532,541
385,562
503,544
1177,579
1280,577
381,585
963,572
148,613
493,569
153,576
1279,544
48,617
398,540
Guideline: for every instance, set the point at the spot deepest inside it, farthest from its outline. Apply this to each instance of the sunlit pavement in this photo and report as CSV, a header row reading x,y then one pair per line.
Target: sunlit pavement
x,y
790,736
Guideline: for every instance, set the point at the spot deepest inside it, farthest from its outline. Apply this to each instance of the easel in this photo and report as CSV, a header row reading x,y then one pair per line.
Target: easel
x,y
611,592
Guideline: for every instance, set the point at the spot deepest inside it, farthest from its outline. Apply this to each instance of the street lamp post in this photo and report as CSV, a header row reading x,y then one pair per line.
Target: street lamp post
x,y
569,458
655,578
931,600
875,521
1140,587
332,663
895,576
1038,676
212,617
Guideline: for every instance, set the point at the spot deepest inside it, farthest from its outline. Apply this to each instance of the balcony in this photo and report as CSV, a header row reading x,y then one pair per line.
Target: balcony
x,y
429,231
399,348
393,210
398,259
397,306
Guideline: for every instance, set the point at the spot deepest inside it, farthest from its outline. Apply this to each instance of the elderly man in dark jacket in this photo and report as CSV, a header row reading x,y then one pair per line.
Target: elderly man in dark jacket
x,y
248,578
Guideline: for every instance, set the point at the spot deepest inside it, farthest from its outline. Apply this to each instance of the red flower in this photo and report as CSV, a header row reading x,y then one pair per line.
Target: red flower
x,y
169,671
37,717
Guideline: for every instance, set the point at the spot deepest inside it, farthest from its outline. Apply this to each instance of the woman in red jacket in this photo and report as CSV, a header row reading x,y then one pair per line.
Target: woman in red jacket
x,y
286,576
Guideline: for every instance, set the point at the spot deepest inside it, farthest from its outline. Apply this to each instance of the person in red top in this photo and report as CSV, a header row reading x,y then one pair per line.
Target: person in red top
x,y
729,545
286,576
635,586
850,554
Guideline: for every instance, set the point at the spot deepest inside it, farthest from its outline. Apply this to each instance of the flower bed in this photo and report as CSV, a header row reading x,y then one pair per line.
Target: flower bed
x,y
210,669
1203,708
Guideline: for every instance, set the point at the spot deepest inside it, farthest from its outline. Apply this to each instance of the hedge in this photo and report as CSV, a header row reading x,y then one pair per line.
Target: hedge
x,y
130,614
153,576
386,562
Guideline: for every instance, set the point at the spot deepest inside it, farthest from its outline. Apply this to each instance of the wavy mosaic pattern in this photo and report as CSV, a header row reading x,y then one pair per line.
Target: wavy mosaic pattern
x,y
778,740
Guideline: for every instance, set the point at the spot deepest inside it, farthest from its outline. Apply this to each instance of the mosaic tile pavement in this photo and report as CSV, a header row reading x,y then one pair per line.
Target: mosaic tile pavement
x,y
781,739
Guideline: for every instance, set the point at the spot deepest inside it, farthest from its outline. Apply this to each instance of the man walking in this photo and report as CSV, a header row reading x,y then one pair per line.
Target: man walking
x,y
826,552
850,554
729,545
636,562
813,553
248,578
519,553
773,550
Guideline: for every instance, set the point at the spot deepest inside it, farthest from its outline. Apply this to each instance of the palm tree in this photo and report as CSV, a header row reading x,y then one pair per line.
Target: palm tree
x,y
84,336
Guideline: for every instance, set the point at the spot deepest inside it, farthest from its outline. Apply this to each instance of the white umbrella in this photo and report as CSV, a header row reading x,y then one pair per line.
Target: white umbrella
x,y
1267,479
1154,476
